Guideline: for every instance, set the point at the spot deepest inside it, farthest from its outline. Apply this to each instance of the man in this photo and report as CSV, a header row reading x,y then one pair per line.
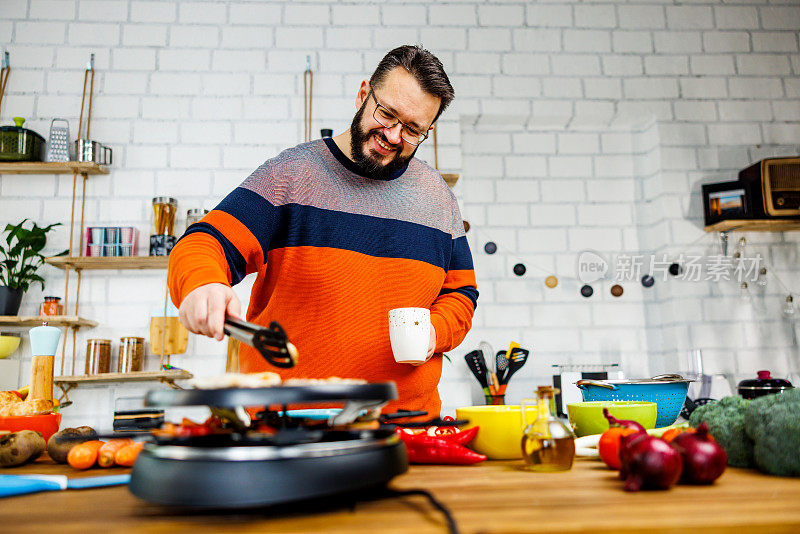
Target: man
x,y
339,232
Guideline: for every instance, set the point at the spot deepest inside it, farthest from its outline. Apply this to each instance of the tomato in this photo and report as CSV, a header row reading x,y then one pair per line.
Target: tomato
x,y
609,445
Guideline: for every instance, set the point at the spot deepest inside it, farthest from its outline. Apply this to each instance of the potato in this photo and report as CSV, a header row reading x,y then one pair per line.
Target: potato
x,y
60,443
20,447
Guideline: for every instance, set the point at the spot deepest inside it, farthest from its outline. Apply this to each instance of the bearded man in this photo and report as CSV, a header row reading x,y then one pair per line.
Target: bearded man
x,y
339,231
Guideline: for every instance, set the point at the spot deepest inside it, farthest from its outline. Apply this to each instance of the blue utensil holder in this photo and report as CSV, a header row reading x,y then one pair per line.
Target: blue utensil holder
x,y
669,397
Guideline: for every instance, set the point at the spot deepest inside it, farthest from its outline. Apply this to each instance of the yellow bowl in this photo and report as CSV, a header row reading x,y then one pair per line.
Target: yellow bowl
x,y
587,418
8,344
500,434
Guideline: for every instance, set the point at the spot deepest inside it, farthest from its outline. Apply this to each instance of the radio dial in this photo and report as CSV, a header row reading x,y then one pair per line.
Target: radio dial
x,y
780,201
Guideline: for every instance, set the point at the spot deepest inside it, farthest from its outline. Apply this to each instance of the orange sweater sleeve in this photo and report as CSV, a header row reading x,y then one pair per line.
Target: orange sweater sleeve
x,y
197,260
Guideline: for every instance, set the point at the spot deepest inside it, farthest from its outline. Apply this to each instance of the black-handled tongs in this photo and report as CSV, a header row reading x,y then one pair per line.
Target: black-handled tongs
x,y
271,342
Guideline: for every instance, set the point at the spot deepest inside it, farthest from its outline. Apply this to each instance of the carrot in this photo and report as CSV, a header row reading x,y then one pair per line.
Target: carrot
x,y
105,456
84,455
128,454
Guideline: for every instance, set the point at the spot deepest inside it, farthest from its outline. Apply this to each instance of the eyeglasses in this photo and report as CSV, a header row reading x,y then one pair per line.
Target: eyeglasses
x,y
387,119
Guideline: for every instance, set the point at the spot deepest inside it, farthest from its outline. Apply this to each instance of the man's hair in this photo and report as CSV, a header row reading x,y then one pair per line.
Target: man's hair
x,y
423,66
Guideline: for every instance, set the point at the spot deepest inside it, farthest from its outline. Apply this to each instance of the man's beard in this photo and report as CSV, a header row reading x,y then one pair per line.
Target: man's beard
x,y
370,166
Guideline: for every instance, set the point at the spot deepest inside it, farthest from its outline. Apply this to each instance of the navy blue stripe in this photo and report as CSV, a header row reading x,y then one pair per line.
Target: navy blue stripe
x,y
461,259
470,292
374,236
352,166
295,225
253,211
236,262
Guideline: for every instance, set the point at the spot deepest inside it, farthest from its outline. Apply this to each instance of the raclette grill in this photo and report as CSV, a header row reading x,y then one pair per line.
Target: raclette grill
x,y
247,468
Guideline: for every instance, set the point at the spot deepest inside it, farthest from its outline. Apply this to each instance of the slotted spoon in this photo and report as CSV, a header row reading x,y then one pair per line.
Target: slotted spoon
x,y
477,365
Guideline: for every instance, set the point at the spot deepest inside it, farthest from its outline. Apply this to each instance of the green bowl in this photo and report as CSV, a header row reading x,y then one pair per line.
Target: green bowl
x,y
587,418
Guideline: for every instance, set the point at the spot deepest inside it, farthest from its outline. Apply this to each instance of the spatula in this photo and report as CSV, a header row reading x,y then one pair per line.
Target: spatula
x,y
477,365
518,358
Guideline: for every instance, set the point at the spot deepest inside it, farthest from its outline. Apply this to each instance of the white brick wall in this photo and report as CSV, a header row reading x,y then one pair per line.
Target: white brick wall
x,y
575,125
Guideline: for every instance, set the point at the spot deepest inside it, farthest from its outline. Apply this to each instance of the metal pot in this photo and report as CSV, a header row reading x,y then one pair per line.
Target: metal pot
x,y
763,385
20,144
88,150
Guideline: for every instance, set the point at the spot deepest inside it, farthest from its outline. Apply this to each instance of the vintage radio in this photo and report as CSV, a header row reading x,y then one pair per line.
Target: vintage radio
x,y
775,185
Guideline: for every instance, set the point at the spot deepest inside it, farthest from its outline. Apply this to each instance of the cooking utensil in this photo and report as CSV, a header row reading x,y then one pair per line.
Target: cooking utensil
x,y
20,144
58,143
476,364
244,470
87,150
5,71
667,391
765,384
491,366
518,358
271,342
11,485
502,366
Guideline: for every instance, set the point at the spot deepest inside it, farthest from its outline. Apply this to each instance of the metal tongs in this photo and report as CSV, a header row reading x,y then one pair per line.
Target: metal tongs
x,y
271,342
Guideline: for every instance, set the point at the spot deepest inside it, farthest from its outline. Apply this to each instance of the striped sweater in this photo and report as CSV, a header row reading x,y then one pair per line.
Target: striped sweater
x,y
334,251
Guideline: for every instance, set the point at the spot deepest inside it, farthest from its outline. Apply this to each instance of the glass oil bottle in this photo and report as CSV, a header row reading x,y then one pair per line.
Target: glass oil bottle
x,y
547,443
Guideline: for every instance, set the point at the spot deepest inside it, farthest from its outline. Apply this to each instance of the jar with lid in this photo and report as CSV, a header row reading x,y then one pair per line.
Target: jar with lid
x,y
51,306
194,215
98,356
131,354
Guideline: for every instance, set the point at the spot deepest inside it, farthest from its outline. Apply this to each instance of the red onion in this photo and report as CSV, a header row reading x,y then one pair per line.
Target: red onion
x,y
613,421
648,462
703,458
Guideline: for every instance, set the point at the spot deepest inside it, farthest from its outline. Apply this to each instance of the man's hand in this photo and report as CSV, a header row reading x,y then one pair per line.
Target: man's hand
x,y
431,347
204,308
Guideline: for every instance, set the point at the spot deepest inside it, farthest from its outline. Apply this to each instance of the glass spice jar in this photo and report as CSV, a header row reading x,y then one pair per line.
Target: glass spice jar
x,y
98,356
51,306
131,354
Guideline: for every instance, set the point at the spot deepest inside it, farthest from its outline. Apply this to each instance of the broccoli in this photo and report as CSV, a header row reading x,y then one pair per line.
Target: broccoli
x,y
725,420
773,423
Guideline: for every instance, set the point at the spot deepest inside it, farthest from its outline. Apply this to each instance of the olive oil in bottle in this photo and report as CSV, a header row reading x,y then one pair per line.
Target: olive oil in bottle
x,y
547,443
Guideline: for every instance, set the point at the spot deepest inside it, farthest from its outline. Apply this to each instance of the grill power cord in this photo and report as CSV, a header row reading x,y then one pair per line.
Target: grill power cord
x,y
452,527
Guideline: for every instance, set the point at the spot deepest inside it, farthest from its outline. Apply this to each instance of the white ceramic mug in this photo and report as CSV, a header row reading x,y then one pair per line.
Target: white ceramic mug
x,y
410,333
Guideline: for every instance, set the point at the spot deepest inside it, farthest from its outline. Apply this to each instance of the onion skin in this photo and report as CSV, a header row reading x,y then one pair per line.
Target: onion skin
x,y
648,463
613,421
704,460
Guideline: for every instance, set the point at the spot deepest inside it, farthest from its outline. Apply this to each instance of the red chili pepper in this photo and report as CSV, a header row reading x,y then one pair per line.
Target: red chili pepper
x,y
462,437
424,449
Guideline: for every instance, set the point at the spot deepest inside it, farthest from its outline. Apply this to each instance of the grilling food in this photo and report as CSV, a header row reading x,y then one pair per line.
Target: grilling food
x,y
237,380
20,447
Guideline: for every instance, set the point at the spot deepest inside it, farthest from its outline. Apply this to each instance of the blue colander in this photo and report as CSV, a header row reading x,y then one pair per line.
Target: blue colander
x,y
667,391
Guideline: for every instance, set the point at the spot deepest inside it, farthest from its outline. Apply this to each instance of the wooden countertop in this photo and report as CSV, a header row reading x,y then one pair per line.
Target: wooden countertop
x,y
493,497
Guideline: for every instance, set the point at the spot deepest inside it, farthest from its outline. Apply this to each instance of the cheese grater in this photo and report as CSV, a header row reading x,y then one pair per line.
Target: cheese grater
x,y
58,145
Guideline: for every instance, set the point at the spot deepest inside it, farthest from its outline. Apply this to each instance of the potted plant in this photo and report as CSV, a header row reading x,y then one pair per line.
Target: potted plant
x,y
21,258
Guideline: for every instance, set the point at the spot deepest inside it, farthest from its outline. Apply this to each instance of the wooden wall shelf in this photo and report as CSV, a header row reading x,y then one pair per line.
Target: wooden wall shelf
x,y
52,167
136,376
51,320
96,264
755,225
67,383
